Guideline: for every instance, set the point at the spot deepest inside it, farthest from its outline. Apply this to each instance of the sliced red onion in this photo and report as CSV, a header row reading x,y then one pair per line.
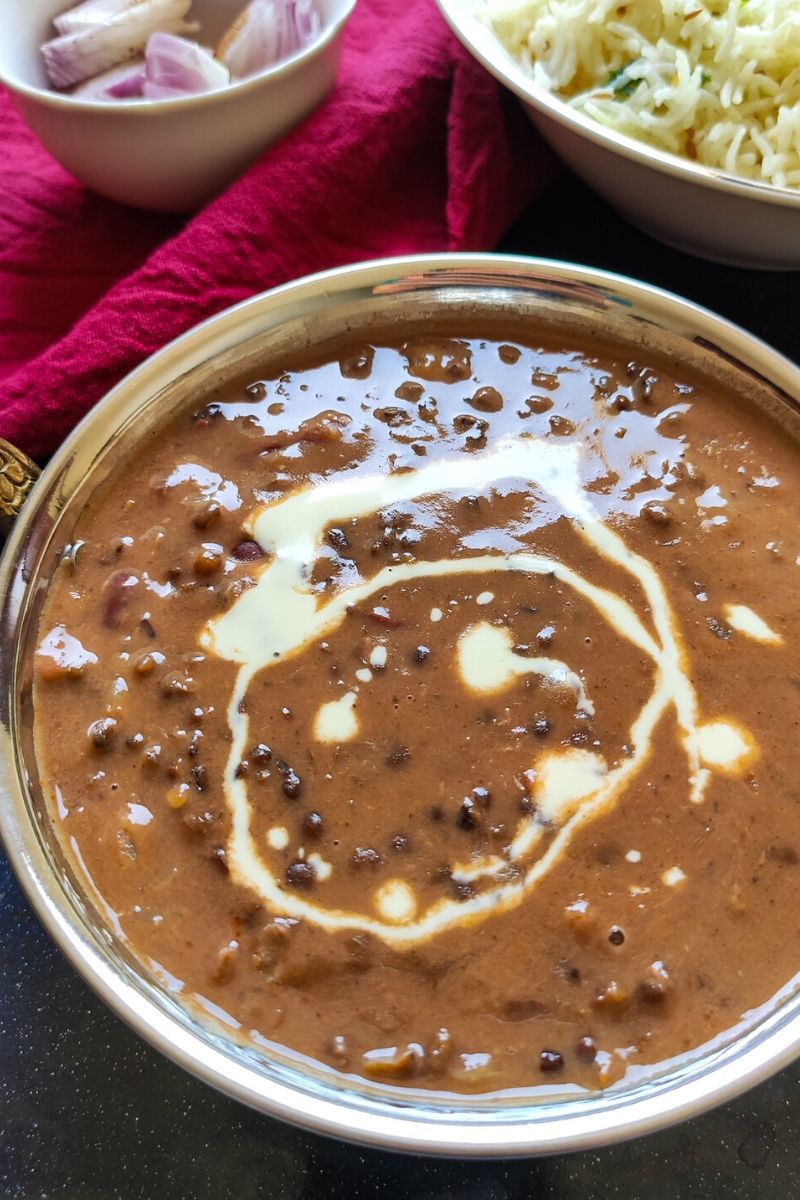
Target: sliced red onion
x,y
129,86
120,83
78,56
176,67
89,14
266,32
307,20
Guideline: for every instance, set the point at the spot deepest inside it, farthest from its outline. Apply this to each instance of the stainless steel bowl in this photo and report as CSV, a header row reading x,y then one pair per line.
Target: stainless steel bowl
x,y
695,208
277,1082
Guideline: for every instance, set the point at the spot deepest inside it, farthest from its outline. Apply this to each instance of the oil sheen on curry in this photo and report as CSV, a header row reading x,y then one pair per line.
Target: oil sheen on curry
x,y
427,707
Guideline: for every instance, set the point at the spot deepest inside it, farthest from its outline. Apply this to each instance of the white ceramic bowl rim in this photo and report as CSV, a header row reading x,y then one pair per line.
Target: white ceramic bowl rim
x,y
492,54
537,1127
286,66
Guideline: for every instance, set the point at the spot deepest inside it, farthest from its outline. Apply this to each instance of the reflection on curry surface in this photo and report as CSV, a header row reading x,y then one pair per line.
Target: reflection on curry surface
x,y
429,708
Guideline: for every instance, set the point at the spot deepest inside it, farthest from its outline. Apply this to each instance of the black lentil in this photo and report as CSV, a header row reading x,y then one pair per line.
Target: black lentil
x,y
550,1061
300,874
313,824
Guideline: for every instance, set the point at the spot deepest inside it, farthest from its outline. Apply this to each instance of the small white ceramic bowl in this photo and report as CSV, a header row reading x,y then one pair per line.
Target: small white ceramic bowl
x,y
694,208
170,155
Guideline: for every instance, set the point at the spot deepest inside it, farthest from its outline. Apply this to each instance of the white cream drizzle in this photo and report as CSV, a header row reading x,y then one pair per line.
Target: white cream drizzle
x,y
395,901
322,867
336,721
487,663
564,779
491,864
378,657
725,745
280,617
744,620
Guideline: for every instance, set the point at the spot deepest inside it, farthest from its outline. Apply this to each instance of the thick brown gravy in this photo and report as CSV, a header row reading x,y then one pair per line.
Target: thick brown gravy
x,y
430,709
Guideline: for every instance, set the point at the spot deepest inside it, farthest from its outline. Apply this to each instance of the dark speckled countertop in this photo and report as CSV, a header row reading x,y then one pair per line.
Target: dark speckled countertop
x,y
89,1112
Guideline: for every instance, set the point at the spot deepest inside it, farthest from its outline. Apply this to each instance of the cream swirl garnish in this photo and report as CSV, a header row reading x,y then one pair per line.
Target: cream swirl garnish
x,y
487,663
336,721
744,620
280,617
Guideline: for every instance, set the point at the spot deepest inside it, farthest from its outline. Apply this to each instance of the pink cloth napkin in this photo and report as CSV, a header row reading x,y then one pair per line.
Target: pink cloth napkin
x,y
416,150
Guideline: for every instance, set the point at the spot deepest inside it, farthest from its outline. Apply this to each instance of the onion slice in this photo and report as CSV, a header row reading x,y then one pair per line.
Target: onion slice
x,y
78,56
120,83
176,67
267,32
89,14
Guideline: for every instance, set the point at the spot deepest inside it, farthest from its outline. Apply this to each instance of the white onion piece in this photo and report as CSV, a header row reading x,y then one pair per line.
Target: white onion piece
x,y
89,14
120,83
79,56
266,32
176,67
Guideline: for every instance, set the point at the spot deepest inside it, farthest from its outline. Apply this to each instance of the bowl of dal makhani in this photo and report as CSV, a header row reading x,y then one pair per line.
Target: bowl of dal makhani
x,y
399,687
683,114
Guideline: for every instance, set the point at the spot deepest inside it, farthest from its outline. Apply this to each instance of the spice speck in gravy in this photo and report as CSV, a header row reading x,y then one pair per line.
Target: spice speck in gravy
x,y
427,706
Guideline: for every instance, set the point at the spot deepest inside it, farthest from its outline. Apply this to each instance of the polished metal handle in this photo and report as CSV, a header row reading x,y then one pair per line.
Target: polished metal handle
x,y
18,473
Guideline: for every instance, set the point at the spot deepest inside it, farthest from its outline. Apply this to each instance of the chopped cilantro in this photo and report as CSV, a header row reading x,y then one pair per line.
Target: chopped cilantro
x,y
622,88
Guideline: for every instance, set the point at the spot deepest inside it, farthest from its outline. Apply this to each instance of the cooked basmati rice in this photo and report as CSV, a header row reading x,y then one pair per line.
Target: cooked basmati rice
x,y
716,81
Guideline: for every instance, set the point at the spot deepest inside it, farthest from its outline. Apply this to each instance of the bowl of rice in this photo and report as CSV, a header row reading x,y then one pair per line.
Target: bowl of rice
x,y
683,114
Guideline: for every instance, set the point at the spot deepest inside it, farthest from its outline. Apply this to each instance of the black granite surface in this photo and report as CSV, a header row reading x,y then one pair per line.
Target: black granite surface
x,y
89,1112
